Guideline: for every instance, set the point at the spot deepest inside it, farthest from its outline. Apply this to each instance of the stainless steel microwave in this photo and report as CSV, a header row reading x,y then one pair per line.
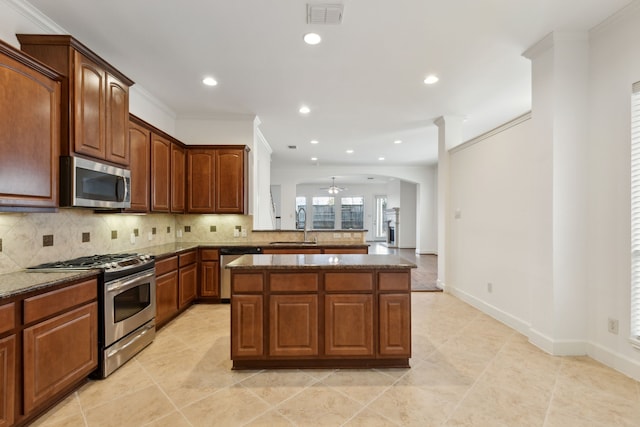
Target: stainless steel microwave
x,y
91,184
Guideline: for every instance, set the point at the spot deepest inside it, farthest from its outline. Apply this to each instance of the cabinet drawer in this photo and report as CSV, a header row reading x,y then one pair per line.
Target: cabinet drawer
x,y
166,265
209,254
245,283
44,305
293,282
348,282
396,281
7,317
188,258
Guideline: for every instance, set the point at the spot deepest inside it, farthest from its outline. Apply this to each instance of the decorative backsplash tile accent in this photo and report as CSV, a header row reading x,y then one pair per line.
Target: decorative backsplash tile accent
x,y
187,229
114,234
86,237
136,232
168,230
212,228
153,230
47,240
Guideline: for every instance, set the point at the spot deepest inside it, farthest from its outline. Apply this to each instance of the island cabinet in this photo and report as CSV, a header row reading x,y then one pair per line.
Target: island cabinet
x,y
209,288
29,132
216,180
313,315
96,124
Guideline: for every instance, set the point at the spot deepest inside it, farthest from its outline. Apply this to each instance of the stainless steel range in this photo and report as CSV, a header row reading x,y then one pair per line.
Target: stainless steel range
x,y
127,301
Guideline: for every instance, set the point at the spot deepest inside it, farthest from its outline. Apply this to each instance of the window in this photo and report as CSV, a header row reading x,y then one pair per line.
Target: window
x,y
324,214
352,212
635,215
301,212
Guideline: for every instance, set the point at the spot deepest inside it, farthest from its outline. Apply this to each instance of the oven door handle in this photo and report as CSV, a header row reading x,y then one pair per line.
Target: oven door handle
x,y
129,283
137,337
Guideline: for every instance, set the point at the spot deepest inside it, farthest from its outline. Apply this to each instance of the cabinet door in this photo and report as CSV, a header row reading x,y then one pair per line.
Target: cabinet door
x,y
29,136
229,181
200,181
247,335
139,138
89,104
160,172
58,353
7,380
178,178
117,121
395,329
293,325
166,296
348,325
188,284
210,279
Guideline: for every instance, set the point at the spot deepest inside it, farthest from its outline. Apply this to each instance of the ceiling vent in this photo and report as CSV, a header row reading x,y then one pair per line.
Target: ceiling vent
x,y
324,13
292,147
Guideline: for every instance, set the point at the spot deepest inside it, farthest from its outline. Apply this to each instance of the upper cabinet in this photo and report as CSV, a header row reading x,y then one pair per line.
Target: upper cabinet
x,y
140,137
29,132
96,124
216,180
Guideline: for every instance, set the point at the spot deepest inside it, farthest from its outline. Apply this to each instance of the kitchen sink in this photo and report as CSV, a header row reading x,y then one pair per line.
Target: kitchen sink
x,y
294,243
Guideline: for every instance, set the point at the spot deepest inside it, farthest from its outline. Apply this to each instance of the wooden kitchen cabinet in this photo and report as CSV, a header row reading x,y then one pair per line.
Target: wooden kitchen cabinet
x,y
209,288
140,140
29,132
178,178
188,280
216,180
247,338
7,380
293,325
96,124
160,173
349,325
59,351
166,290
395,325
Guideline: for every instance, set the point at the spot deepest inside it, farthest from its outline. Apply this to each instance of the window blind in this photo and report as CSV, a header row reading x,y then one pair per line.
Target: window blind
x,y
635,215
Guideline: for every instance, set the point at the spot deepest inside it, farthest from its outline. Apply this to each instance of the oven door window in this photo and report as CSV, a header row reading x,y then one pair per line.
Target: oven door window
x,y
131,302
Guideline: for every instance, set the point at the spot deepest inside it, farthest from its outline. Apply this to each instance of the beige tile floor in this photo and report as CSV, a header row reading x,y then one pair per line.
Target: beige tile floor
x,y
467,370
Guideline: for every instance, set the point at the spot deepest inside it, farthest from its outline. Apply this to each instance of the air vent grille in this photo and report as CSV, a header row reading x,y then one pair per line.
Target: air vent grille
x,y
292,147
324,13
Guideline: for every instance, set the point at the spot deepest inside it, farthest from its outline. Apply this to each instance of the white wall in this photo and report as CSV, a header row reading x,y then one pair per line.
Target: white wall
x,y
496,189
216,131
522,225
260,188
614,64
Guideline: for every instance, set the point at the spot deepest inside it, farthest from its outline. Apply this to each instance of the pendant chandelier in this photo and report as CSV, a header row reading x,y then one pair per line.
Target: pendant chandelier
x,y
334,189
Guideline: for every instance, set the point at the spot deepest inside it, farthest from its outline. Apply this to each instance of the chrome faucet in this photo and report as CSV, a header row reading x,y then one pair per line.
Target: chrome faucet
x,y
302,217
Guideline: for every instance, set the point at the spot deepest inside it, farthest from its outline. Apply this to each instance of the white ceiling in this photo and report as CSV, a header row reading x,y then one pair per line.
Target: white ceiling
x,y
363,83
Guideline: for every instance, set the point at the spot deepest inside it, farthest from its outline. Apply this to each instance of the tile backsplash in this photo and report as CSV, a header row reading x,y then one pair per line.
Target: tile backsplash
x,y
33,238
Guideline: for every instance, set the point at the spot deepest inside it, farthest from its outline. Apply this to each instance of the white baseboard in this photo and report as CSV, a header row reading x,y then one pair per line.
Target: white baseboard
x,y
614,360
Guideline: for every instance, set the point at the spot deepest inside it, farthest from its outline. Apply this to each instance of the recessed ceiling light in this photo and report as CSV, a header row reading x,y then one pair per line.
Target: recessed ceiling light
x,y
397,141
313,159
349,151
312,38
209,81
430,79
304,110
380,158
314,141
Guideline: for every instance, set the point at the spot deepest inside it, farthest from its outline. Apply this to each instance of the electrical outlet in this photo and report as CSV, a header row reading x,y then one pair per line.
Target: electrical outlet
x,y
490,287
244,233
236,232
132,237
612,326
337,235
150,236
179,233
346,235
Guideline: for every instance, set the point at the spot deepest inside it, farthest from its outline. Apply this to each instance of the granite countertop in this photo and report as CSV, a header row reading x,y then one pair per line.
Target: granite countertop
x,y
23,281
301,262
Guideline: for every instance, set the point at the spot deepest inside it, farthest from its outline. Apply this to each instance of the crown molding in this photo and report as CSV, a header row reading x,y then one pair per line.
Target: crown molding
x,y
614,19
548,41
149,97
503,127
230,117
27,10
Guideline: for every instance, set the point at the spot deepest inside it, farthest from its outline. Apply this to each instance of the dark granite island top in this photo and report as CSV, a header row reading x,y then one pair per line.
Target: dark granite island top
x,y
334,262
320,311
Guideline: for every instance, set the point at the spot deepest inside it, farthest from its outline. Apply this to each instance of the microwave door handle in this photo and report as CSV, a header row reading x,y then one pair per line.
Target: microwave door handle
x,y
121,189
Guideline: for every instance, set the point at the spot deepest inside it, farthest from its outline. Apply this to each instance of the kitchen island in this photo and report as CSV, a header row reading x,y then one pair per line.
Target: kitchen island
x,y
320,311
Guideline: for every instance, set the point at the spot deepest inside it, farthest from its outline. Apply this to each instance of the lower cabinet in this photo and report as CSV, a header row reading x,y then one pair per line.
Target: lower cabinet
x,y
59,352
7,380
395,324
348,325
166,289
248,319
293,325
187,285
209,289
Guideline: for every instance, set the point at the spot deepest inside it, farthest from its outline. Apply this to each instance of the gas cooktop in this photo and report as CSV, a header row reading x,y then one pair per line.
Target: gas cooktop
x,y
107,262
